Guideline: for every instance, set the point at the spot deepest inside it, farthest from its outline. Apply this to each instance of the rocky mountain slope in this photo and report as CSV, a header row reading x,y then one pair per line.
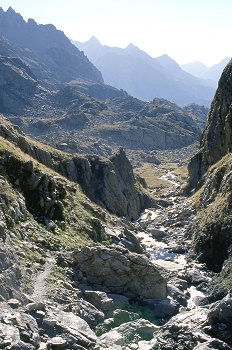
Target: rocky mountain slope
x,y
82,266
75,276
46,50
210,172
145,77
198,113
109,182
71,119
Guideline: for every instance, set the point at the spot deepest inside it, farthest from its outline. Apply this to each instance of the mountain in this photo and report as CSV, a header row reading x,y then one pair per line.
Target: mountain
x,y
212,74
210,174
84,123
197,68
145,77
46,50
85,114
198,113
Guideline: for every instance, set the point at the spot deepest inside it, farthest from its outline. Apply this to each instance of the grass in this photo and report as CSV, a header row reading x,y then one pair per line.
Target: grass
x,y
58,286
152,174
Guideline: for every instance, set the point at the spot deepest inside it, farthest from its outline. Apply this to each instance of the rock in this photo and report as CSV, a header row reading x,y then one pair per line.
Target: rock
x,y
14,303
177,295
2,230
210,169
213,345
179,283
18,330
57,343
88,312
111,184
219,320
35,306
161,309
221,312
183,331
106,301
195,277
124,316
121,272
128,334
118,318
74,330
157,234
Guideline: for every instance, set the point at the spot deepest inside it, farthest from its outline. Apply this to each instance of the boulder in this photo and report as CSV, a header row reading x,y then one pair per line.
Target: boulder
x,y
214,344
71,328
106,302
161,308
121,271
128,334
221,312
88,312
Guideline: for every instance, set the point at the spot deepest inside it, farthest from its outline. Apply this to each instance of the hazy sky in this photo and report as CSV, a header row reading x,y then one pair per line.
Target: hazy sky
x,y
186,30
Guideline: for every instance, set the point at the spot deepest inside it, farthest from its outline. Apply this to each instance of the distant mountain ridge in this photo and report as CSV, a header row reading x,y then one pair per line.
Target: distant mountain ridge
x,y
212,73
47,51
145,77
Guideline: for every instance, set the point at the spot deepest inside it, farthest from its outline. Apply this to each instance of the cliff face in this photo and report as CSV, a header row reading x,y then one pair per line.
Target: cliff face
x,y
217,137
211,172
110,183
17,85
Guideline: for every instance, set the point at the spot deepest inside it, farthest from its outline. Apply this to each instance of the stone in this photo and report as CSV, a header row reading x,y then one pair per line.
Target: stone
x,y
177,295
128,333
2,230
88,312
35,306
14,303
161,309
73,328
214,344
122,272
221,312
107,301
56,343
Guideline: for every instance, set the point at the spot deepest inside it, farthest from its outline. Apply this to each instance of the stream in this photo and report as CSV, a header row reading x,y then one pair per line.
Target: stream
x,y
163,233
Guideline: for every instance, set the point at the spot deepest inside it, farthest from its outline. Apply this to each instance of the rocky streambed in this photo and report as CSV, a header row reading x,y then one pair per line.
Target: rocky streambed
x,y
144,291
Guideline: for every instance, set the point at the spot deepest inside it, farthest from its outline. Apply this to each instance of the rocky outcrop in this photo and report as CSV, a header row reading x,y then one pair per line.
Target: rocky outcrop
x,y
17,85
111,183
217,137
43,194
198,113
128,334
121,272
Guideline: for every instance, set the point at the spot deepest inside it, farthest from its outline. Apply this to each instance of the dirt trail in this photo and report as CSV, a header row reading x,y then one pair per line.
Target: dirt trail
x,y
39,293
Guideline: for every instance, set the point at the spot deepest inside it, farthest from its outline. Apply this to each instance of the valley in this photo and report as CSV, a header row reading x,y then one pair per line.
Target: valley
x,y
115,211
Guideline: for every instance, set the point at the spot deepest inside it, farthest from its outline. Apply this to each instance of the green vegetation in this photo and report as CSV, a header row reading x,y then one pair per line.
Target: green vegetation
x,y
153,176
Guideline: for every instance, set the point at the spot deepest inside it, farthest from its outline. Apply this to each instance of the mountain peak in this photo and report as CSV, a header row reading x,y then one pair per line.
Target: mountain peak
x,y
130,46
11,11
10,15
165,58
94,41
168,62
